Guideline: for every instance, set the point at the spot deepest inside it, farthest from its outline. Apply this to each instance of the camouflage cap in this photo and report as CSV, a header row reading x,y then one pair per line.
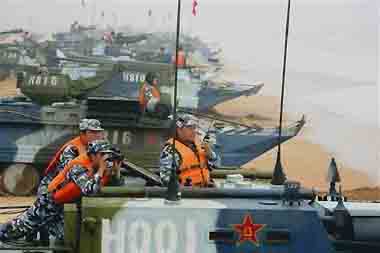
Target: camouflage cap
x,y
90,124
150,76
186,120
99,146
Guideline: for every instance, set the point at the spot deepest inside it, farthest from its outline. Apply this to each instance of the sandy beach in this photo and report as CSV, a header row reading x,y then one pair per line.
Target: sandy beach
x,y
7,201
8,87
303,160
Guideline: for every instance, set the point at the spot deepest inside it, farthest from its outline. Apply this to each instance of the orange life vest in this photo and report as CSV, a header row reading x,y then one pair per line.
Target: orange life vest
x,y
76,142
67,191
193,166
142,100
181,60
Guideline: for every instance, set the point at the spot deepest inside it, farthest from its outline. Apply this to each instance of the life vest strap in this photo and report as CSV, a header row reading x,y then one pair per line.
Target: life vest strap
x,y
194,166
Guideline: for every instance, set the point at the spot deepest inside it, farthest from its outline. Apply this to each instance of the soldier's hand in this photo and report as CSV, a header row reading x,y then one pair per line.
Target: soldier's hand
x,y
206,147
102,165
116,168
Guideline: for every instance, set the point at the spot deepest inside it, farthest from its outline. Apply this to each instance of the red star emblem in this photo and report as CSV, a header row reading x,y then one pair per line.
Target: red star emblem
x,y
248,230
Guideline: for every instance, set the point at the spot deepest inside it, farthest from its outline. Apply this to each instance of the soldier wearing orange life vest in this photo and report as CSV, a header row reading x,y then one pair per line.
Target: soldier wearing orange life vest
x,y
82,176
90,130
86,173
181,59
193,158
149,96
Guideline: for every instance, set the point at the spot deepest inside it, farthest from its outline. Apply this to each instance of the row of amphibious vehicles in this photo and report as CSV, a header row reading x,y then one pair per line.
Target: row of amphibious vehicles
x,y
53,98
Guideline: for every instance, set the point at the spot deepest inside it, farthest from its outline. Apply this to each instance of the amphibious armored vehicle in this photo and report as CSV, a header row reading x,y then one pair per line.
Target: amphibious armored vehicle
x,y
238,215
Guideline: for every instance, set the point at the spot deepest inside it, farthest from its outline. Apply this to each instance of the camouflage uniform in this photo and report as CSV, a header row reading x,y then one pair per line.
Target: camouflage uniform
x,y
148,88
166,157
148,92
68,154
166,161
45,213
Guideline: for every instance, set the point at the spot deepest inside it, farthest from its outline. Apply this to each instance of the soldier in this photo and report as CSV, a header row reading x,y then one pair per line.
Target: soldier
x,y
82,176
90,129
193,158
149,95
181,59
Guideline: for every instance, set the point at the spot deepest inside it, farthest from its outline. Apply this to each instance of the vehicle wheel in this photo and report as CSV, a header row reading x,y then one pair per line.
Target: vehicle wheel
x,y
19,179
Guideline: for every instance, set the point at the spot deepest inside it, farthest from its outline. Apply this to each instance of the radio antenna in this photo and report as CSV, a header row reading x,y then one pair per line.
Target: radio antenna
x,y
279,176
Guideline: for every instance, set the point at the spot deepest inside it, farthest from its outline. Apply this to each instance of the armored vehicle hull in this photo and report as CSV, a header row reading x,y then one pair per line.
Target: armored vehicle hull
x,y
198,225
249,217
255,218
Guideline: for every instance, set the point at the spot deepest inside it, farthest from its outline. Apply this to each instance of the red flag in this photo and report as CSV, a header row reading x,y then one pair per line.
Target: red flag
x,y
195,4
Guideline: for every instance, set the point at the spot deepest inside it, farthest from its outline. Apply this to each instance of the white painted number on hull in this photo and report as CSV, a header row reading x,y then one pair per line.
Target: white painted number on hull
x,y
9,55
132,77
42,81
166,237
140,236
113,136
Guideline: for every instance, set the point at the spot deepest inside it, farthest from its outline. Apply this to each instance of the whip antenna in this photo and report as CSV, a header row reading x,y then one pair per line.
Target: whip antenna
x,y
173,193
279,176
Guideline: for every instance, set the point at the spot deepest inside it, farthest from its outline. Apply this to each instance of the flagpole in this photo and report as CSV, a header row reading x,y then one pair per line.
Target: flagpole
x,y
279,176
173,193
